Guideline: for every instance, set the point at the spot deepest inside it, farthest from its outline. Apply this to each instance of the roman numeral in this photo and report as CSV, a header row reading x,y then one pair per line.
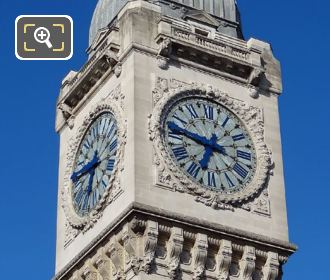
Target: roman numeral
x,y
211,179
208,110
174,135
225,122
180,153
240,170
113,145
103,184
86,145
111,164
192,111
238,137
111,129
229,181
193,169
243,155
175,116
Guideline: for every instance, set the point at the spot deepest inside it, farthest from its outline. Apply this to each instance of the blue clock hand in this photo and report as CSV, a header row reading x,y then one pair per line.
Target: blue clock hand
x,y
208,152
90,165
207,155
90,181
200,139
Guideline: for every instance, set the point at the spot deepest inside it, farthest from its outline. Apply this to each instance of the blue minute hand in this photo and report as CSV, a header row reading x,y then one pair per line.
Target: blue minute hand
x,y
193,136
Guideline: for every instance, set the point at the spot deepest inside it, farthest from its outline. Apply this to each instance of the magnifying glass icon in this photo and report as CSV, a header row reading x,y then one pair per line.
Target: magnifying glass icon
x,y
42,35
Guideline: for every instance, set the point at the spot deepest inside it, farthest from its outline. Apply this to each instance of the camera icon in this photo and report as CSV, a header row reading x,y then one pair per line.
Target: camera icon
x,y
44,37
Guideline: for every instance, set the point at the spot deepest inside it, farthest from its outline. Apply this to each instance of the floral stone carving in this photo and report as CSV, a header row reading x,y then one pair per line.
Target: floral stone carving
x,y
76,223
170,176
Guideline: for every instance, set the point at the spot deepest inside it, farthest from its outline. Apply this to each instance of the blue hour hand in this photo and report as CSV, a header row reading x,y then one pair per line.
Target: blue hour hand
x,y
208,152
85,169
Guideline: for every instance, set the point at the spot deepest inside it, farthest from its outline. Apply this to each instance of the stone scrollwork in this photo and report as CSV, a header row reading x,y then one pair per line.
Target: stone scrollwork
x,y
170,176
248,263
200,255
174,249
224,259
75,223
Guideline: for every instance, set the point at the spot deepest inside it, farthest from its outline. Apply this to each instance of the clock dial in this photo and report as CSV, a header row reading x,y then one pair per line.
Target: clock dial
x,y
95,163
209,144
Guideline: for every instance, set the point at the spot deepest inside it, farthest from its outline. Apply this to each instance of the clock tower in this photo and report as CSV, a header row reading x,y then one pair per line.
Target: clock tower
x,y
170,150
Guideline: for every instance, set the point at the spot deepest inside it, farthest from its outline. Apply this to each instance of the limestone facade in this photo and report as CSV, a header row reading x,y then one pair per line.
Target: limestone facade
x,y
152,224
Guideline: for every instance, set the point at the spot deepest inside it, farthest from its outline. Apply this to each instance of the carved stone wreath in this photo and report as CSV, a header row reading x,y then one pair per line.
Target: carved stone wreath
x,y
76,222
171,176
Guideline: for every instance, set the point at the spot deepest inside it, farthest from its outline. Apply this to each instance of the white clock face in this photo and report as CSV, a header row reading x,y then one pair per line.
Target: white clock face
x,y
95,163
209,144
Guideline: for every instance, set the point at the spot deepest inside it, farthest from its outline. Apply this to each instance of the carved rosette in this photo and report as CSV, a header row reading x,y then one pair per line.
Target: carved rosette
x,y
76,223
169,175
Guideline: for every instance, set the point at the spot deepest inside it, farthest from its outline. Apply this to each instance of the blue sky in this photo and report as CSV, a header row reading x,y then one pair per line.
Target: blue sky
x,y
299,34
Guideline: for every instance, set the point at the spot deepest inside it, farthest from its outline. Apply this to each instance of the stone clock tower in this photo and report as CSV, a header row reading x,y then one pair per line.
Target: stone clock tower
x,y
170,150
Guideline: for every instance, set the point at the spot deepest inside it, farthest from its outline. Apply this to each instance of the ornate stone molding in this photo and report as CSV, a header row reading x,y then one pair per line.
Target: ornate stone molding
x,y
224,259
165,94
271,269
199,256
174,249
247,263
76,223
121,255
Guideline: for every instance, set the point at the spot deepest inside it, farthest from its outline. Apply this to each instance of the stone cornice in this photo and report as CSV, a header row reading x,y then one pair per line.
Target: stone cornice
x,y
137,210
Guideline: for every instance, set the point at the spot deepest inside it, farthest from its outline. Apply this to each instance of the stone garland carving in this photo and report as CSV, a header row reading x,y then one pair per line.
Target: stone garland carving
x,y
247,263
200,255
170,176
150,244
224,259
271,269
76,223
174,249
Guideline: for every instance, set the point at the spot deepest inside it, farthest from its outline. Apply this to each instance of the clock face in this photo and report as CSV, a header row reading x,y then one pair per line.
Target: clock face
x,y
209,144
95,163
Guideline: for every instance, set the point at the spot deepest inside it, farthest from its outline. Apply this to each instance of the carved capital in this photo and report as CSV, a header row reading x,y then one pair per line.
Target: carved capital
x,y
224,259
271,269
247,263
150,239
174,249
200,255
